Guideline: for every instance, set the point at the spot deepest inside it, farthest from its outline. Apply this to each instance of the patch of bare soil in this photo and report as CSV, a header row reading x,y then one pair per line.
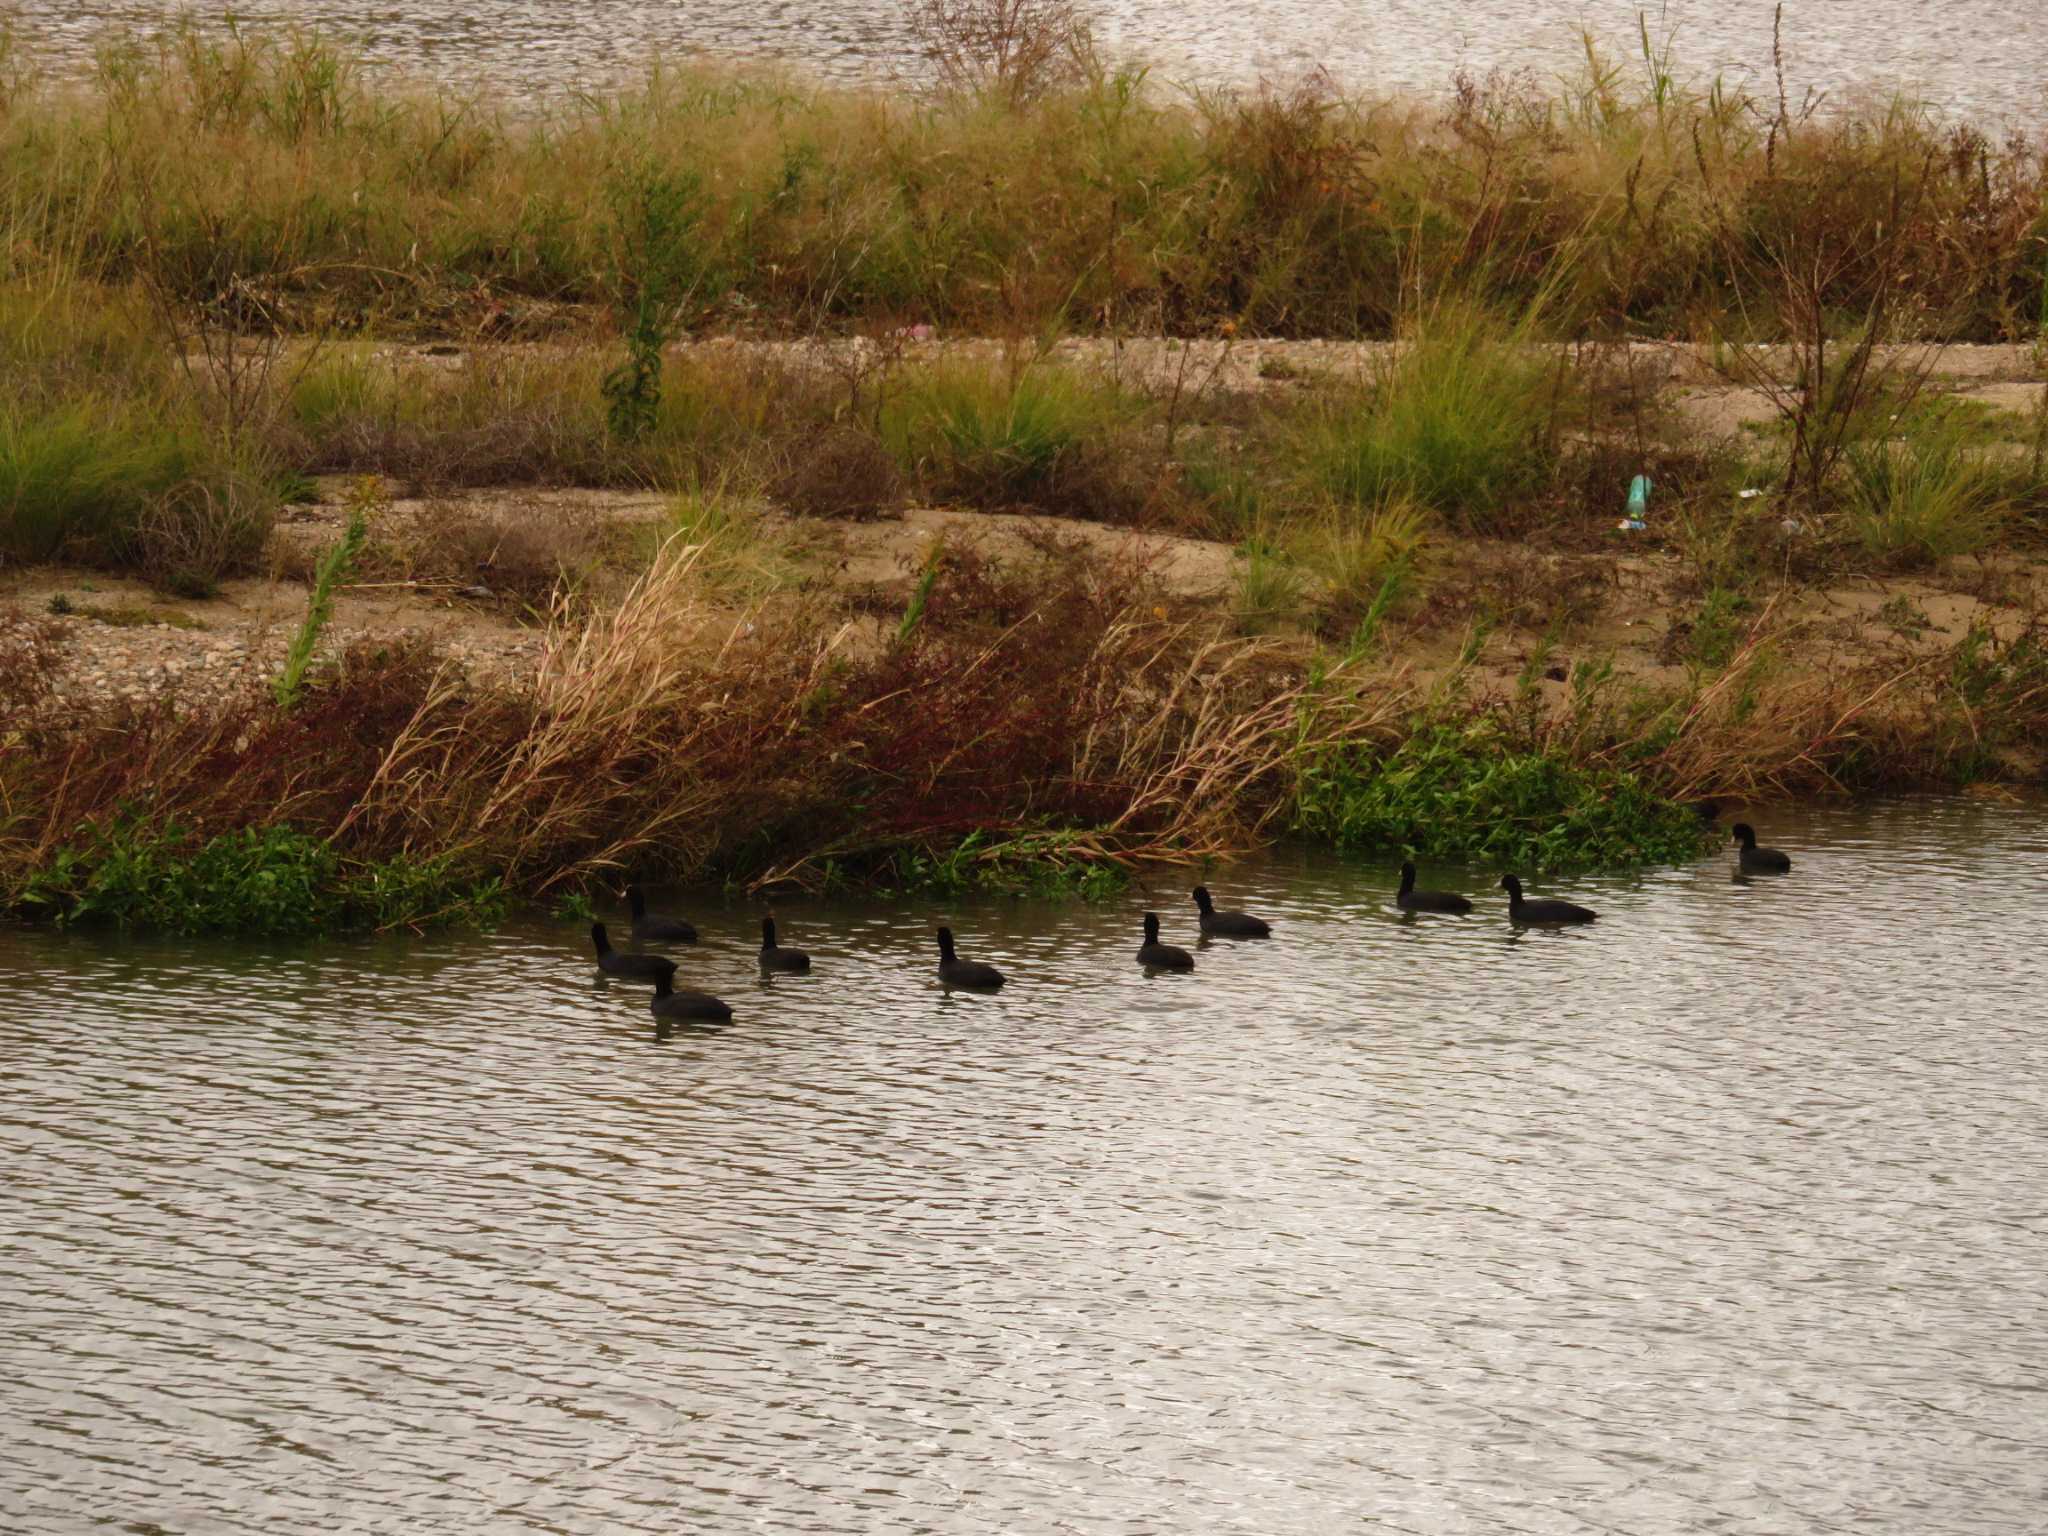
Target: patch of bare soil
x,y
485,607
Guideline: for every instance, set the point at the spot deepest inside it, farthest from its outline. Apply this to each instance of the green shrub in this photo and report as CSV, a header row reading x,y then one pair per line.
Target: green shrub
x,y
1467,793
273,882
657,263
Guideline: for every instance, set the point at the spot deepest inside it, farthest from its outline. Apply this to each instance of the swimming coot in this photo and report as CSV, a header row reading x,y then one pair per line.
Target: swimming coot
x,y
698,1007
1411,900
774,957
1229,925
1759,861
639,967
955,972
1548,914
1155,956
672,929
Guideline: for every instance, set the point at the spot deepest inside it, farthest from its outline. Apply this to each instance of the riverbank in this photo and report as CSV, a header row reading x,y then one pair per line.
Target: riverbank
x,y
943,699
938,615
412,608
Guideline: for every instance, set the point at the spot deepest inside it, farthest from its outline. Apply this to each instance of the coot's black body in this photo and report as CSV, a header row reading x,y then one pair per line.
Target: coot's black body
x,y
696,1007
1155,956
1759,861
635,967
671,930
1411,900
1228,925
1542,914
955,972
774,957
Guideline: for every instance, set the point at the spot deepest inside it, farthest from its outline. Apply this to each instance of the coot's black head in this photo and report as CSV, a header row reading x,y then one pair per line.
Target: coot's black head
x,y
767,933
1407,874
1745,834
597,937
636,900
1202,899
1512,886
1151,927
946,943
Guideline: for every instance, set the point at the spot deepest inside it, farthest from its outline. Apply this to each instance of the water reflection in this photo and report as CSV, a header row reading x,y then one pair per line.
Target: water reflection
x,y
1722,1214
1975,56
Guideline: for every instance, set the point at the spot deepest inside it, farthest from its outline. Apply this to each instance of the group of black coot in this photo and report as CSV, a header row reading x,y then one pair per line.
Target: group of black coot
x,y
671,1004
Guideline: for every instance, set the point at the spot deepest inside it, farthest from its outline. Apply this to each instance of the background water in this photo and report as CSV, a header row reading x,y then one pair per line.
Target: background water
x,y
1726,1215
1982,57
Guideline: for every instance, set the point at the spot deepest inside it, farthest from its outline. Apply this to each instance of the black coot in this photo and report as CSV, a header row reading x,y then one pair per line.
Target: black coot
x,y
698,1007
1155,956
955,972
1412,900
638,967
1549,914
1229,925
1759,861
672,929
774,957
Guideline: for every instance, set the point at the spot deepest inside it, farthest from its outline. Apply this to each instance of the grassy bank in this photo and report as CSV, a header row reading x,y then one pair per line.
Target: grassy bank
x,y
212,246
1034,725
276,179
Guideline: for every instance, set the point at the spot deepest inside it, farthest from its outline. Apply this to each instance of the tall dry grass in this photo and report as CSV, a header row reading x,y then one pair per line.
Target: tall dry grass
x,y
270,171
1029,701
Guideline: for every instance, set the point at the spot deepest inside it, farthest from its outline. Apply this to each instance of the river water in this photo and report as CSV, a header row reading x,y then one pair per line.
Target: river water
x,y
1725,1215
1979,57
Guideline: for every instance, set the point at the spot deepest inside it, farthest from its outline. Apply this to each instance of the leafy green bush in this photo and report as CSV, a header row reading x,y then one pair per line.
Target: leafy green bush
x,y
272,882
1465,792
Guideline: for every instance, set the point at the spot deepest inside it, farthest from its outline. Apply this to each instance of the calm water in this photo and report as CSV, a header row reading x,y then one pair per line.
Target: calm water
x,y
1980,56
1724,1216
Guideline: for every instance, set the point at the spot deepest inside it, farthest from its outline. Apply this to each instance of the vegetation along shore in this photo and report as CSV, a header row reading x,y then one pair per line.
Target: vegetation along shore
x,y
409,504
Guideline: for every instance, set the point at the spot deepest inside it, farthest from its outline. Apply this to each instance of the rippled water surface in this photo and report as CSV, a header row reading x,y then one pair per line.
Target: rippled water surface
x,y
1727,1215
1979,56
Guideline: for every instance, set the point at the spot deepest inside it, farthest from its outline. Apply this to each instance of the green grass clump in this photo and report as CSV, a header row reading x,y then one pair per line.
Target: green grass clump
x,y
1464,792
740,557
1458,421
1925,497
994,436
272,882
1718,628
77,478
338,392
1270,587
